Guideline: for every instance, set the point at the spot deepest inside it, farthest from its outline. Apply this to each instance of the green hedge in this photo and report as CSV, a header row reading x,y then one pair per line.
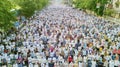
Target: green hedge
x,y
109,12
92,5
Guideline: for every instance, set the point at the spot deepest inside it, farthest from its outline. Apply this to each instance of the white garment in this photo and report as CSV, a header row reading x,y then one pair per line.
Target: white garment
x,y
85,59
31,65
5,55
46,65
15,65
75,58
84,52
51,54
8,59
31,49
60,59
44,60
66,52
111,63
93,64
76,52
0,58
54,59
116,62
71,65
80,64
36,65
106,64
49,59
42,65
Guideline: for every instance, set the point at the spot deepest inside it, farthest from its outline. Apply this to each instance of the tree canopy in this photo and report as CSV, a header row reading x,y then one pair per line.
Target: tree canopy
x,y
97,6
11,9
28,7
6,15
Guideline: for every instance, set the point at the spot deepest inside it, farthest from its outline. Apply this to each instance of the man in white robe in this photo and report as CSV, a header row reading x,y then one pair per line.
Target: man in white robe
x,y
80,64
111,63
93,63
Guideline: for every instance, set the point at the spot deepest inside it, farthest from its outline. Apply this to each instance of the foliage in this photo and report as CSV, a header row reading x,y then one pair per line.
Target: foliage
x,y
6,15
117,3
92,5
28,7
109,12
11,9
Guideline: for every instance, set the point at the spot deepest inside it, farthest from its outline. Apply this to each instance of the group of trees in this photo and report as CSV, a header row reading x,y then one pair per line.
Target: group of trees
x,y
6,16
98,6
10,10
28,7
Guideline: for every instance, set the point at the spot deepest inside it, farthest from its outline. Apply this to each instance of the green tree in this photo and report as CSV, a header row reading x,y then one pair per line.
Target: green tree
x,y
28,7
9,11
6,15
97,6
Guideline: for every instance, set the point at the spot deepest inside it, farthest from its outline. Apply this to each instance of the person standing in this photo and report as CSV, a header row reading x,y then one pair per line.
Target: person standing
x,y
36,64
106,63
20,61
85,61
93,63
51,64
89,63
111,63
80,64
116,63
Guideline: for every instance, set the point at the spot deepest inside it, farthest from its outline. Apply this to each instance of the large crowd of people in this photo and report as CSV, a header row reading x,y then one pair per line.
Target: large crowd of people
x,y
62,37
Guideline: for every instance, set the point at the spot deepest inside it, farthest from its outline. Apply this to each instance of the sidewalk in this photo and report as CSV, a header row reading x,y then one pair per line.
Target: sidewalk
x,y
111,19
115,20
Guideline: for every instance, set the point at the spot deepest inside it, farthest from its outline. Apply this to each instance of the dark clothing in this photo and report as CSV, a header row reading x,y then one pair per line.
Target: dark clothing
x,y
51,64
77,45
100,64
72,53
89,63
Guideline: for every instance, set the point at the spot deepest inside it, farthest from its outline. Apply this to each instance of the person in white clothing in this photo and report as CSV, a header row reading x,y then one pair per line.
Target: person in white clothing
x,y
36,65
111,63
80,64
15,65
75,58
116,63
93,63
46,64
31,65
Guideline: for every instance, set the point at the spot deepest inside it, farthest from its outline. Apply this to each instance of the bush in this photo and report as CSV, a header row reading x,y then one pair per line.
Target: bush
x,y
92,5
6,15
109,12
28,7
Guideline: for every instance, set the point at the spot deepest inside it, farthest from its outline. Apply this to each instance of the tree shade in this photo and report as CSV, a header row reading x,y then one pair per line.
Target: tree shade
x,y
11,9
28,7
97,6
6,15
